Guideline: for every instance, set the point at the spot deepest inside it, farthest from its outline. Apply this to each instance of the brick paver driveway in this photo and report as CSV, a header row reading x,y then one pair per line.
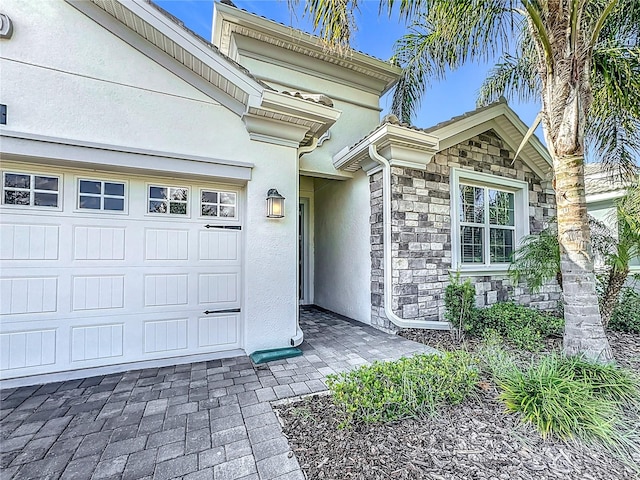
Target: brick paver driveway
x,y
207,420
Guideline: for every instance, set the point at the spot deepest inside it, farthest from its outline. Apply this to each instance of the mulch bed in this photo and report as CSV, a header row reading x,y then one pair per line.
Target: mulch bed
x,y
475,440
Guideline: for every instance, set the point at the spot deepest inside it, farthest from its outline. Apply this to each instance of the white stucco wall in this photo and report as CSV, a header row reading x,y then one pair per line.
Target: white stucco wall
x,y
343,262
64,76
360,108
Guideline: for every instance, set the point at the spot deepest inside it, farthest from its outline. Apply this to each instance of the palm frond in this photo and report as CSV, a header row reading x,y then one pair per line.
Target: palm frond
x,y
537,259
512,78
613,126
445,36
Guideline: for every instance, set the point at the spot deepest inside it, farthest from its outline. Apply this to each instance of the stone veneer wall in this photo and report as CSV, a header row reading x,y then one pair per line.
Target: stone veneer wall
x,y
421,233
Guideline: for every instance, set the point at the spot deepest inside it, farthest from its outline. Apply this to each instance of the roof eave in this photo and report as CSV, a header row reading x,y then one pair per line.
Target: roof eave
x,y
401,145
149,30
227,19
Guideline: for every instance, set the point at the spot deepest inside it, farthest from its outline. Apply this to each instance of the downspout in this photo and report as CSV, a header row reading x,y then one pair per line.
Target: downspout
x,y
388,276
299,336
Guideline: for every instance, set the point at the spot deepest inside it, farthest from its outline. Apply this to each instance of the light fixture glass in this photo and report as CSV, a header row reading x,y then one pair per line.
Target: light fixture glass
x,y
275,204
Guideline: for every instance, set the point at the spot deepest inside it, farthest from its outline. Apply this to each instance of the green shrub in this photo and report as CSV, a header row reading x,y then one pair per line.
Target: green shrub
x,y
524,327
569,397
605,380
404,388
626,316
460,305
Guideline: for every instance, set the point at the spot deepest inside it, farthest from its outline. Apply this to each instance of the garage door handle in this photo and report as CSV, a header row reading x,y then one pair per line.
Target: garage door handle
x,y
225,227
228,310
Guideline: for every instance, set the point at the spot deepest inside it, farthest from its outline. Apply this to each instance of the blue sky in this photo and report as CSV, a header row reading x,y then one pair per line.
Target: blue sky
x,y
376,35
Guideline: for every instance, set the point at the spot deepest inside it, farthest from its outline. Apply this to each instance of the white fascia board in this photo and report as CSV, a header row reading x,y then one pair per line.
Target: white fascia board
x,y
61,151
296,117
601,197
296,107
181,38
408,143
475,124
276,132
534,141
194,46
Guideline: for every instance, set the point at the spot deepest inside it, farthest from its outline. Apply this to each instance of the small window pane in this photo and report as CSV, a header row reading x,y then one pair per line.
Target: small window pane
x,y
114,204
87,186
158,192
46,183
226,211
157,207
178,208
209,197
12,197
17,181
471,244
179,194
227,198
472,204
90,202
209,211
114,189
501,245
501,208
45,199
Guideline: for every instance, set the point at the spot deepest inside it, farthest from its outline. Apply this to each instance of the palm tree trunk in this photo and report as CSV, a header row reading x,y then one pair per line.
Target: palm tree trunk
x,y
584,333
615,282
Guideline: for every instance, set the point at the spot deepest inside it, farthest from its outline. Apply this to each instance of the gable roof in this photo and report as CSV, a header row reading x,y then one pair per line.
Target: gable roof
x,y
165,39
497,116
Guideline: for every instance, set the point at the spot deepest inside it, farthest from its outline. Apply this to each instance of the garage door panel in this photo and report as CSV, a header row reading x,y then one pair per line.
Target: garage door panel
x,y
219,330
97,342
98,243
220,289
29,242
98,292
166,244
166,289
20,295
27,348
166,335
219,245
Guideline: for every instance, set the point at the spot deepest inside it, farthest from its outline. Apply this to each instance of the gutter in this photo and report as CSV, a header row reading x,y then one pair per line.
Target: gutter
x,y
386,222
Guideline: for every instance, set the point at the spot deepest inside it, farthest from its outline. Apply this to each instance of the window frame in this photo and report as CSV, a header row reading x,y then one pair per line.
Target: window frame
x,y
168,213
32,190
518,188
101,196
236,205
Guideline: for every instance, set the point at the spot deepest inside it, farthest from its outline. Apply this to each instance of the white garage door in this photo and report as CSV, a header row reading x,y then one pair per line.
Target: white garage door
x,y
101,269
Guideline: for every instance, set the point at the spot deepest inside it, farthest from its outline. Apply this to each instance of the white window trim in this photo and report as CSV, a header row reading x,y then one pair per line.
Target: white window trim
x,y
32,190
219,190
79,178
189,201
520,190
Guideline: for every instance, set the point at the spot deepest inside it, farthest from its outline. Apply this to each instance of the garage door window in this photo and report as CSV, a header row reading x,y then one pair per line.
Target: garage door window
x,y
168,200
27,189
101,195
215,203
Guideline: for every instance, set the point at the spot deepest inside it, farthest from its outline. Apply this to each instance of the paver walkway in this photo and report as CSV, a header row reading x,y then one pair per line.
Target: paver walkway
x,y
206,420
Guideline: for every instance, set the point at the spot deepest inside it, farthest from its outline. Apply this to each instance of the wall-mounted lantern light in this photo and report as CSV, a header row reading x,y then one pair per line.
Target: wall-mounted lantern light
x,y
275,204
6,26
